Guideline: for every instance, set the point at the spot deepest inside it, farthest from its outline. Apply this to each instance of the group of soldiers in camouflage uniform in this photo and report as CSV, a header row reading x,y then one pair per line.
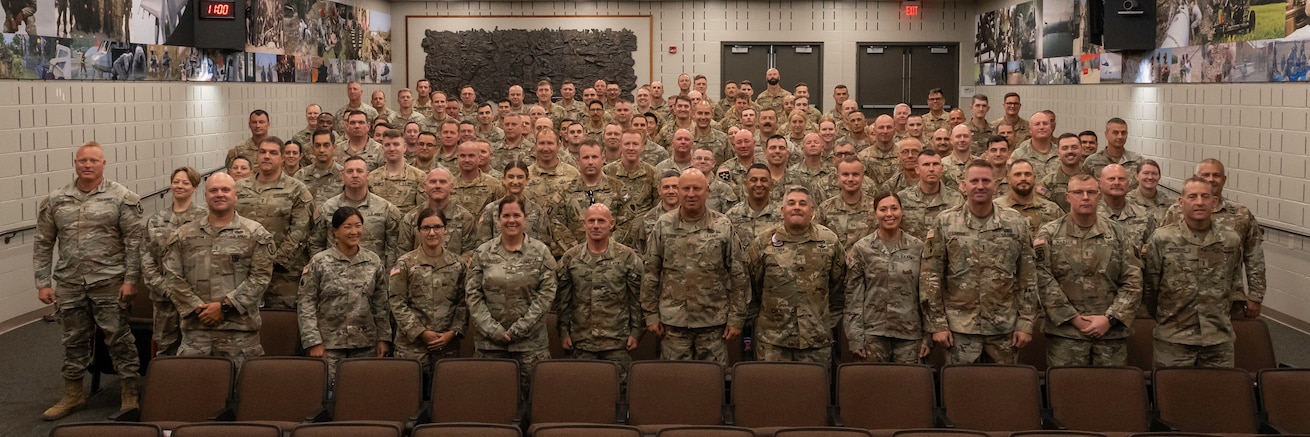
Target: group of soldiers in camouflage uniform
x,y
456,218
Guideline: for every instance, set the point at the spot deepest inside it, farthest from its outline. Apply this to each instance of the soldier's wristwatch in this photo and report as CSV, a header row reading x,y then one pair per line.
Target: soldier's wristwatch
x,y
1114,321
226,307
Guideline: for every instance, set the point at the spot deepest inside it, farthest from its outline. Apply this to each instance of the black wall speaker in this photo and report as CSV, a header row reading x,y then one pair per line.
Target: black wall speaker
x,y
1129,25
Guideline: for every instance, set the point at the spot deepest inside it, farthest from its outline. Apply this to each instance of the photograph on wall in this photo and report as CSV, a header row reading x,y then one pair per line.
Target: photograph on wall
x,y
1014,73
1111,67
265,67
381,71
1253,61
1154,67
1030,71
377,42
333,69
153,21
129,61
984,37
299,36
1185,61
67,58
197,66
1290,61
1296,23
80,19
304,68
363,72
286,68
1217,62
1089,66
234,65
264,26
1059,25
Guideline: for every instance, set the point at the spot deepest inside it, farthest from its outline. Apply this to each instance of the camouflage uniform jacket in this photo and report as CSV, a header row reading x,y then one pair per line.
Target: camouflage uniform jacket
x,y
477,193
1055,187
1136,220
1239,218
567,211
599,297
246,148
284,208
494,136
322,184
427,294
695,273
882,289
716,141
921,209
769,99
637,231
399,121
748,222
504,154
879,165
1037,213
159,227
639,190
460,237
544,184
511,291
205,264
1130,161
670,164
859,143
99,235
372,153
1087,272
798,285
1190,278
980,137
381,226
340,115
814,179
978,274
653,153
850,222
343,300
404,190
953,168
933,122
1021,132
1043,163
1157,205
535,220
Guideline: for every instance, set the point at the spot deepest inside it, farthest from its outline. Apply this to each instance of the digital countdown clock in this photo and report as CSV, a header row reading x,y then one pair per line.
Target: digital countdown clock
x,y
218,9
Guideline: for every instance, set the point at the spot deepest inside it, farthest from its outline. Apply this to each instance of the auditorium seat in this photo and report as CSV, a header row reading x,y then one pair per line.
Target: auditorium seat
x,y
106,429
991,397
767,396
377,389
180,390
279,333
1141,346
552,336
663,393
460,429
1056,433
1212,400
1103,399
648,347
283,391
227,429
347,429
480,390
705,431
586,430
1254,349
572,392
886,397
1034,354
816,431
938,432
1285,394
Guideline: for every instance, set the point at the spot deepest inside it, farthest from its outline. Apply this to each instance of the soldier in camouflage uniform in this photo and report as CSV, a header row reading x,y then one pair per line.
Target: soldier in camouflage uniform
x,y
354,102
399,183
536,217
460,238
1116,136
381,218
879,158
694,291
217,269
357,142
979,129
1012,105
812,171
772,96
1089,279
97,226
1045,161
1192,266
166,333
323,177
427,296
882,319
924,201
638,230
798,280
283,206
1135,219
1148,194
258,124
599,294
511,285
849,213
306,136
343,308
472,188
547,175
1036,209
722,195
759,211
637,178
591,187
1054,185
978,283
1239,218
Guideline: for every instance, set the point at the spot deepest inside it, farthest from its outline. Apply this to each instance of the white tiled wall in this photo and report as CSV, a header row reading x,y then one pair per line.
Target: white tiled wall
x,y
698,28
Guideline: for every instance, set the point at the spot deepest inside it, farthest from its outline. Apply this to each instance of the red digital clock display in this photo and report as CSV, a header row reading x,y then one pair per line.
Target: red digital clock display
x,y
221,10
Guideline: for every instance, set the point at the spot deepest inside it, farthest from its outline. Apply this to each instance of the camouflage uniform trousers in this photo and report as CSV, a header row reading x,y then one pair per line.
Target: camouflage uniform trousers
x,y
334,357
694,344
527,361
1185,355
167,330
283,289
618,356
772,352
83,308
426,357
237,346
1064,351
969,348
881,349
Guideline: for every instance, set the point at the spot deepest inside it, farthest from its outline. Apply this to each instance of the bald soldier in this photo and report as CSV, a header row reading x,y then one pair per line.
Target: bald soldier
x,y
694,291
978,284
599,285
880,162
98,229
1136,219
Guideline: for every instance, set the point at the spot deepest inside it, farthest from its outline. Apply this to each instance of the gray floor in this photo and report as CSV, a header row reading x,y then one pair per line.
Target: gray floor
x,y
30,382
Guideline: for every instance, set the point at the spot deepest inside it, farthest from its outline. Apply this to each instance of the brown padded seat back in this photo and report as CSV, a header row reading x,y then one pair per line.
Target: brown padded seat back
x,y
992,397
106,429
346,429
938,432
575,391
1105,399
279,332
227,429
886,396
386,389
586,430
822,432
768,394
705,431
1254,349
475,390
185,389
675,392
465,429
286,389
1186,398
1285,394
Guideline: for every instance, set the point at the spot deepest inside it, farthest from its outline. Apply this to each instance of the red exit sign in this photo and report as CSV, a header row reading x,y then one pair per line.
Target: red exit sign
x,y
911,8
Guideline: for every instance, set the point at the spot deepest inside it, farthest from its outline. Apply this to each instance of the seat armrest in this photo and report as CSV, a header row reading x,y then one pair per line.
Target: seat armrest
x,y
522,416
423,415
132,415
225,415
1160,425
729,416
939,415
834,415
1267,427
1049,422
621,413
322,415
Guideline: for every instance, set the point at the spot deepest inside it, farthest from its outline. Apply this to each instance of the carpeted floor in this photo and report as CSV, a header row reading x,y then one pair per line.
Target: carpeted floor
x,y
30,382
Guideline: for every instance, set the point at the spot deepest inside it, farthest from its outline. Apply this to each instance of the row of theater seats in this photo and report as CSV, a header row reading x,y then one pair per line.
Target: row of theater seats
x,y
491,430
762,396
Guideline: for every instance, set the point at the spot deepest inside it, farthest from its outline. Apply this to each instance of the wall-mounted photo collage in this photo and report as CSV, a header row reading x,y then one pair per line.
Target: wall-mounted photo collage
x,y
293,41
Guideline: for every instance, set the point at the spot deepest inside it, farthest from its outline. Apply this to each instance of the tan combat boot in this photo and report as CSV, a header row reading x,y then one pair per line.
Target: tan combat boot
x,y
130,395
74,399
